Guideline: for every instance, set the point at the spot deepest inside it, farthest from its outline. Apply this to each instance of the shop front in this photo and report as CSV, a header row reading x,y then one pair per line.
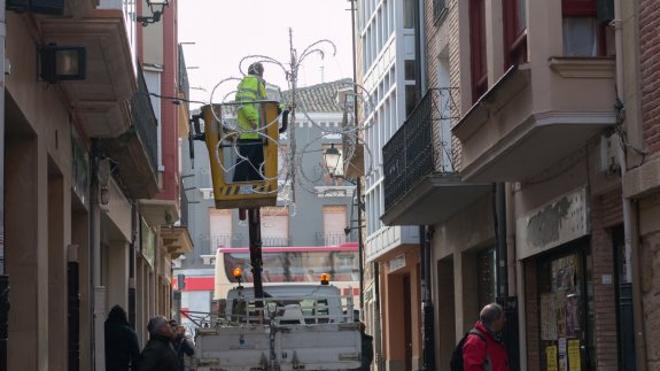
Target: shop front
x,y
554,243
565,307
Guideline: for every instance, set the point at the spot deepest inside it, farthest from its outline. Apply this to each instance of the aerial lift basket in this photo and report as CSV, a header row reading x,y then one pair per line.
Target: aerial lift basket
x,y
230,194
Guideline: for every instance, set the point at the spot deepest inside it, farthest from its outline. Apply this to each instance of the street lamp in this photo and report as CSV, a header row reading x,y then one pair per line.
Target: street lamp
x,y
59,63
157,7
332,156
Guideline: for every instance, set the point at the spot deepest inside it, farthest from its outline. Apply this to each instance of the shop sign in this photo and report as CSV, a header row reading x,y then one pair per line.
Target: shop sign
x,y
397,263
147,242
562,220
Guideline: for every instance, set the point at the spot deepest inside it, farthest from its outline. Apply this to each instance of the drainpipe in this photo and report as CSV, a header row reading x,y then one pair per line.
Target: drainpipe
x,y
501,252
428,348
425,231
358,185
93,200
4,278
630,210
378,356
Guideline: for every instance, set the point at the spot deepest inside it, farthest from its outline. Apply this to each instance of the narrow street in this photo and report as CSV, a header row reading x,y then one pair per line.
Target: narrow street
x,y
375,185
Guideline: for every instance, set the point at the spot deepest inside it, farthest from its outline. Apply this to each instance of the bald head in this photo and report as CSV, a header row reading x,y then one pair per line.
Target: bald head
x,y
492,315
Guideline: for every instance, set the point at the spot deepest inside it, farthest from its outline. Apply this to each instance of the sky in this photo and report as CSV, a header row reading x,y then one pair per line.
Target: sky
x,y
224,31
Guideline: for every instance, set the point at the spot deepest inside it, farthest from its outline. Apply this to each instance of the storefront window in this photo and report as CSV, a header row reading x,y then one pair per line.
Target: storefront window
x,y
566,312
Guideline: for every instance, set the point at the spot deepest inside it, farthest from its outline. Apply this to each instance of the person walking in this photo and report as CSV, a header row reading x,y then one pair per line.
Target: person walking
x,y
122,352
483,349
367,353
159,353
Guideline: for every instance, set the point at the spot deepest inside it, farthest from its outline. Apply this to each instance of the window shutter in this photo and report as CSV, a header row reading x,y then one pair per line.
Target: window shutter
x,y
220,228
334,222
274,226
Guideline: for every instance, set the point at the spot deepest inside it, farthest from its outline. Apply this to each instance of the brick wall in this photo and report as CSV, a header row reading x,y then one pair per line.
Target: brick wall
x,y
650,266
455,71
606,213
433,44
649,24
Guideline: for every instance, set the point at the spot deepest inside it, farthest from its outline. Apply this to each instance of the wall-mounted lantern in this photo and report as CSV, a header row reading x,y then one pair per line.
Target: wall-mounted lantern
x,y
157,7
58,63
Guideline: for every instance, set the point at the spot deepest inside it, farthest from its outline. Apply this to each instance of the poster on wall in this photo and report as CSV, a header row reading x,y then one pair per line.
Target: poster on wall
x,y
551,358
563,359
574,360
560,313
563,274
548,318
572,316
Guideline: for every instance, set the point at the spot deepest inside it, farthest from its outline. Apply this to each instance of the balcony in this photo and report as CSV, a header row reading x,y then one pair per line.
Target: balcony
x,y
330,239
421,186
534,116
135,151
274,241
176,240
101,101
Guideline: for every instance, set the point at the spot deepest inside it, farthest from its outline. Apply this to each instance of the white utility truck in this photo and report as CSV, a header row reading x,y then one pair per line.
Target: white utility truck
x,y
294,327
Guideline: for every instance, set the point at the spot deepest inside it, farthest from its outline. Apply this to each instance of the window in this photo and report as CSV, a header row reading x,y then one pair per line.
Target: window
x,y
584,34
275,226
439,9
515,32
220,229
411,98
334,222
479,70
390,16
408,13
409,70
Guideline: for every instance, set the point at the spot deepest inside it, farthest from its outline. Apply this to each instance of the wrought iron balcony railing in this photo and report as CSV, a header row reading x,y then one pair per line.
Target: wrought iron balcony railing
x,y
144,120
330,239
421,146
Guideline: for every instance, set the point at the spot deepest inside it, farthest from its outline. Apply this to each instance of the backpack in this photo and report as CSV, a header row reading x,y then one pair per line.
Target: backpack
x,y
457,354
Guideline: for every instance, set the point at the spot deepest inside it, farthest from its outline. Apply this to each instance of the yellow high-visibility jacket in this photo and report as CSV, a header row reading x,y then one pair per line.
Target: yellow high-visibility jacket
x,y
251,88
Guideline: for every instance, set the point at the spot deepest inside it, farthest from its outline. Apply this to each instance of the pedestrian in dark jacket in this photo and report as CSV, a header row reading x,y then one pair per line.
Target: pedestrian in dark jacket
x,y
484,351
122,352
159,354
182,344
367,352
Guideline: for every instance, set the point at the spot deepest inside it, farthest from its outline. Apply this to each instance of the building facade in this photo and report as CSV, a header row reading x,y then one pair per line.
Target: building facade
x,y
80,156
323,206
388,34
533,191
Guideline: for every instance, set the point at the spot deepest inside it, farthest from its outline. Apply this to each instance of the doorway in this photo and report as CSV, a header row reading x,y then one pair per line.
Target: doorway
x,y
407,321
625,318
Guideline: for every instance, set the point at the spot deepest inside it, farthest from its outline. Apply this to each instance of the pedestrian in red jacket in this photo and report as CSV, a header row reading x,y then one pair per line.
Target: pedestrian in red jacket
x,y
483,349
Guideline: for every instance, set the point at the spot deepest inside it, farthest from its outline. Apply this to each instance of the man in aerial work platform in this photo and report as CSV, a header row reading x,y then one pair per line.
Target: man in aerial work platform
x,y
250,115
